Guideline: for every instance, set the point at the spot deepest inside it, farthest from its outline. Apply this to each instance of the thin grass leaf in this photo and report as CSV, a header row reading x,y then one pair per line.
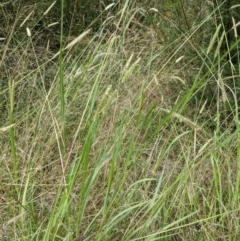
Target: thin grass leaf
x,y
234,27
235,6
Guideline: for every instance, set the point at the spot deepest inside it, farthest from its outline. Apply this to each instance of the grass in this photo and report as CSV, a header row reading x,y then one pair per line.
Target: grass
x,y
128,137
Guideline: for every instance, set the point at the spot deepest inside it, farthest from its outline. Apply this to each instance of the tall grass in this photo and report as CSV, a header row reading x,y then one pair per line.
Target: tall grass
x,y
140,142
62,91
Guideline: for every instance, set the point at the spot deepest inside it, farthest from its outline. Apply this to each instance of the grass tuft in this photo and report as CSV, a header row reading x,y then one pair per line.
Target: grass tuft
x,y
127,131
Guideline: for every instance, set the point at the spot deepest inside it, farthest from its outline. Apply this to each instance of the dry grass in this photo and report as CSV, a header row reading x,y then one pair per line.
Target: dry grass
x,y
140,153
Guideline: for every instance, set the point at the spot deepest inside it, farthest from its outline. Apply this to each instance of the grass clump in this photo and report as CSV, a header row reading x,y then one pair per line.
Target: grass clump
x,y
128,132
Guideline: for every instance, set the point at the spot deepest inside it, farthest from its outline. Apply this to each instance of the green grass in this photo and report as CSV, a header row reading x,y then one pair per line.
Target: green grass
x,y
119,137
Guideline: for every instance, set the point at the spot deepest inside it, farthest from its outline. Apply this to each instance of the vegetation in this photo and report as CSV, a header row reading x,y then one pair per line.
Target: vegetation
x,y
119,120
